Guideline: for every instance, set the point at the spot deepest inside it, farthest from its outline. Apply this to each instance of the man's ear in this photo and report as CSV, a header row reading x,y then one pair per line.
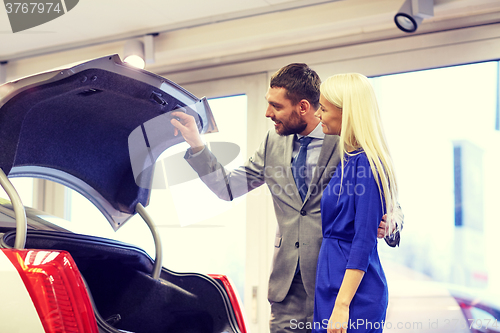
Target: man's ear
x,y
304,106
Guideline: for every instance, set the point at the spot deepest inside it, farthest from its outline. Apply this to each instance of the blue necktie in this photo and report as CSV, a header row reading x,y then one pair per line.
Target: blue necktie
x,y
299,167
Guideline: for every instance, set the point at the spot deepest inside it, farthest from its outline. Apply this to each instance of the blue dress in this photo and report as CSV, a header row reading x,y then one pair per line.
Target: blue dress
x,y
350,222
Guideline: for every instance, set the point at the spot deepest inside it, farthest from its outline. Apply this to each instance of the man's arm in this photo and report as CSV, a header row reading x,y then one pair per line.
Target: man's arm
x,y
394,236
225,184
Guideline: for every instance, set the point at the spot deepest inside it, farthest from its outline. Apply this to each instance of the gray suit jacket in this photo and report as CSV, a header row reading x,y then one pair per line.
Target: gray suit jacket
x,y
298,235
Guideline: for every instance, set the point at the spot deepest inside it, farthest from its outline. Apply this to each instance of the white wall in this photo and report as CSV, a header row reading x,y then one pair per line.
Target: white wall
x,y
262,43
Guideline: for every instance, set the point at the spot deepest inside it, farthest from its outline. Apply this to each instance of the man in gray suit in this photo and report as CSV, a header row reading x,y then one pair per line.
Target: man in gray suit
x,y
293,97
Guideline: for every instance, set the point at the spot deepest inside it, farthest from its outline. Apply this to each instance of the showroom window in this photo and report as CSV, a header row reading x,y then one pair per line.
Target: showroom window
x,y
199,232
24,187
442,129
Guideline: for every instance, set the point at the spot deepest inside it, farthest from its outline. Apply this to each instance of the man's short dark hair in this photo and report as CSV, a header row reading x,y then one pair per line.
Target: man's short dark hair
x,y
300,82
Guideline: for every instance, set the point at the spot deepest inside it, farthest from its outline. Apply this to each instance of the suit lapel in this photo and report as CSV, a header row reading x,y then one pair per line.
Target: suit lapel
x,y
287,153
287,162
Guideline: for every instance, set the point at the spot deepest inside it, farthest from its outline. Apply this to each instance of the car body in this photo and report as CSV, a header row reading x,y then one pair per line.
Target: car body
x,y
97,127
418,303
482,310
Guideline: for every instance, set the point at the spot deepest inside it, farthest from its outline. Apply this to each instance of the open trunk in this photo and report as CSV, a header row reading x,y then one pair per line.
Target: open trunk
x,y
126,297
98,128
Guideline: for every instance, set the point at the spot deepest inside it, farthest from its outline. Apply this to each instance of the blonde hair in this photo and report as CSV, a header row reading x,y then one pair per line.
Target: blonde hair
x,y
362,128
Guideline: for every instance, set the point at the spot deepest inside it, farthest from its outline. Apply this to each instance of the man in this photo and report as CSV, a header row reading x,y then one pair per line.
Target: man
x,y
293,98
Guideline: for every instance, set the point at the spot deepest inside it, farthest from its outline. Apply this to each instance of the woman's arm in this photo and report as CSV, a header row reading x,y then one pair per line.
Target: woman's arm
x,y
339,320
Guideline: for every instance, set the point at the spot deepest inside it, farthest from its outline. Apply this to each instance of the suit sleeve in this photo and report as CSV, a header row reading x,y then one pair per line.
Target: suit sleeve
x,y
368,214
229,184
393,239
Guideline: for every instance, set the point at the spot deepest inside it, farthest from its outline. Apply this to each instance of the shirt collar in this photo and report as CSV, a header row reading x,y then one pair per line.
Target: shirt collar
x,y
317,133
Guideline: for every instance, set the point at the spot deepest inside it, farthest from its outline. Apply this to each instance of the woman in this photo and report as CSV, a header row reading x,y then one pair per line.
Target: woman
x,y
351,289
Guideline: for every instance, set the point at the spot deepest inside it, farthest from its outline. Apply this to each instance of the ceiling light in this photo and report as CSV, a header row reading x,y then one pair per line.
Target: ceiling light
x,y
412,13
134,53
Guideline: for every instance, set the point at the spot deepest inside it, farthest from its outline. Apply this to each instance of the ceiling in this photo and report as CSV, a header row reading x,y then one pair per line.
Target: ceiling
x,y
201,33
97,21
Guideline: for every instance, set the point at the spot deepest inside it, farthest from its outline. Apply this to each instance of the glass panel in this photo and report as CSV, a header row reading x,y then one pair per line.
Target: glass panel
x,y
440,125
24,187
199,232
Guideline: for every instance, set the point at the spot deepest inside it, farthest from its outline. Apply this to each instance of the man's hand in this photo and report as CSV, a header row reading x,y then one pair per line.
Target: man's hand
x,y
382,226
186,125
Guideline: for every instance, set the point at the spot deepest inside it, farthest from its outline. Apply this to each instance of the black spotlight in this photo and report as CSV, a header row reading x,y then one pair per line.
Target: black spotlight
x,y
412,13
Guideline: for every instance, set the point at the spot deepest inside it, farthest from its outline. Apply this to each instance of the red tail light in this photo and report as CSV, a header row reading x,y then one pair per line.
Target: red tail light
x,y
233,297
56,289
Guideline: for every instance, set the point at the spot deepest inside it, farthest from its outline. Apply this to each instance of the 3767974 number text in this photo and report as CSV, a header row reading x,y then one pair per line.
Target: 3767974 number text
x,y
32,7
473,324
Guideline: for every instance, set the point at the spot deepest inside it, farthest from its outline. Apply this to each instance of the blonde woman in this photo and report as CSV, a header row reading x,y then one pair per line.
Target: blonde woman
x,y
351,289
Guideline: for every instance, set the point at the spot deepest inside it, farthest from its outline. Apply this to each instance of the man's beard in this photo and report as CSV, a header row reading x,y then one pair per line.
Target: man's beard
x,y
295,125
